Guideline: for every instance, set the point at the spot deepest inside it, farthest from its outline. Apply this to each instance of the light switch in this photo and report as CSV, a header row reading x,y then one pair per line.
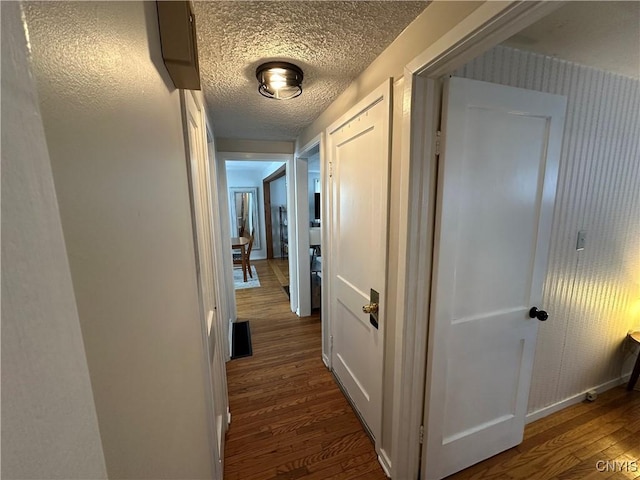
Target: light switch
x,y
582,239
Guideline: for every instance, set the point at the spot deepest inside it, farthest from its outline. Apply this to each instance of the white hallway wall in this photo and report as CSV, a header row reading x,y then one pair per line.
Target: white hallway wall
x,y
113,125
49,422
591,295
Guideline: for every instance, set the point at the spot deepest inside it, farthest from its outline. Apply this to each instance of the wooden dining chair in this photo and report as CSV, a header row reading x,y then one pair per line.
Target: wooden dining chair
x,y
237,257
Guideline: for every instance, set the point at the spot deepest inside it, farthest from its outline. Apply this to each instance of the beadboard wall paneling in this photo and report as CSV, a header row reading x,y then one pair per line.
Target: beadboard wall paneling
x,y
591,295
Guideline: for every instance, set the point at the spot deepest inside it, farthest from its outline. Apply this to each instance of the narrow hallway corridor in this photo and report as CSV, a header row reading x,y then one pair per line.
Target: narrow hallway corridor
x,y
289,418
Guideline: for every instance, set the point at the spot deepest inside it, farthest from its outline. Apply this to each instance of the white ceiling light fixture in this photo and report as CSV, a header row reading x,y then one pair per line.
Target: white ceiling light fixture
x,y
279,80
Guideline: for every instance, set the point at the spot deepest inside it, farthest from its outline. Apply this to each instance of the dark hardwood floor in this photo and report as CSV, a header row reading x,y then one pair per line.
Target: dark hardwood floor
x,y
569,444
289,418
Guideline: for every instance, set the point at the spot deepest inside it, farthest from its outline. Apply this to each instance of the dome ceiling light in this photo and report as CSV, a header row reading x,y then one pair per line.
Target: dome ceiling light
x,y
279,80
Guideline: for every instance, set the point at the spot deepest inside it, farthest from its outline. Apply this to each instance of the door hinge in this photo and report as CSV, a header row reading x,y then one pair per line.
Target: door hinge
x,y
330,345
330,169
421,435
438,135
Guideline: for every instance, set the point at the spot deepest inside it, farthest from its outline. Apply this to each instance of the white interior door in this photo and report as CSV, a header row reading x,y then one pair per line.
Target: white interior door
x,y
358,148
496,191
202,216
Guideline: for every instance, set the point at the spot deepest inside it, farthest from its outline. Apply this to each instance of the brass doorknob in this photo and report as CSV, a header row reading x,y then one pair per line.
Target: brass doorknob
x,y
371,308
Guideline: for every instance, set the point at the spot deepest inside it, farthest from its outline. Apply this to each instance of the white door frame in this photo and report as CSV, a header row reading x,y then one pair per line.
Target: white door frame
x,y
224,267
288,159
485,27
319,140
300,254
221,231
217,452
225,310
302,231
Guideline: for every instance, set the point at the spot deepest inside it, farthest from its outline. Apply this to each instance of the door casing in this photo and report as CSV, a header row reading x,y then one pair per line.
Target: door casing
x,y
274,157
212,326
266,193
303,231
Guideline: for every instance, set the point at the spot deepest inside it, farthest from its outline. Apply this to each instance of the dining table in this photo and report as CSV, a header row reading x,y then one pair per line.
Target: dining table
x,y
240,243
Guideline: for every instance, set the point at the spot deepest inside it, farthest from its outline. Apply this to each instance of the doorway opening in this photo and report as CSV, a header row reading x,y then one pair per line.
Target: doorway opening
x,y
512,65
250,217
282,395
308,218
274,188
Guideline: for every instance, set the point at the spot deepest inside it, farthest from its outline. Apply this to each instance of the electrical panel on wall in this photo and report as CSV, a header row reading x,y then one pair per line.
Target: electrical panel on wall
x,y
177,25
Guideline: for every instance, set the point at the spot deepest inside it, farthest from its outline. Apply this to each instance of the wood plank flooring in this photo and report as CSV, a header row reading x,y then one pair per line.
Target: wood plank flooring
x,y
568,444
289,418
280,267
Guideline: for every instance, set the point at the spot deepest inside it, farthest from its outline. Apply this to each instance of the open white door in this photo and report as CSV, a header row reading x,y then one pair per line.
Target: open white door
x,y
496,192
358,152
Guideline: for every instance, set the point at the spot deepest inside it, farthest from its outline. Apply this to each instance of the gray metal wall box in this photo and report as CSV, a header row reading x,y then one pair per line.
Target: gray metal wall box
x,y
177,25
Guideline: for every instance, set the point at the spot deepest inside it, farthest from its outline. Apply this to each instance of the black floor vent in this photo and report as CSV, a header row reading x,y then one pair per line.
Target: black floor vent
x,y
241,340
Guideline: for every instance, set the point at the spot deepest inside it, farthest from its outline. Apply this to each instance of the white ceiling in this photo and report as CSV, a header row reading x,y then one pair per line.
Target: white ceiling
x,y
333,42
604,35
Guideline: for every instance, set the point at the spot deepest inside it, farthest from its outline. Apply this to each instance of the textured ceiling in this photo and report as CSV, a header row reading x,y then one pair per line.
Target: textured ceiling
x,y
333,42
604,35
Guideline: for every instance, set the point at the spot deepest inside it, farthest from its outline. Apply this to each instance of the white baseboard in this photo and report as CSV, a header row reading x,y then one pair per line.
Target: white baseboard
x,y
325,360
548,410
228,417
385,463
